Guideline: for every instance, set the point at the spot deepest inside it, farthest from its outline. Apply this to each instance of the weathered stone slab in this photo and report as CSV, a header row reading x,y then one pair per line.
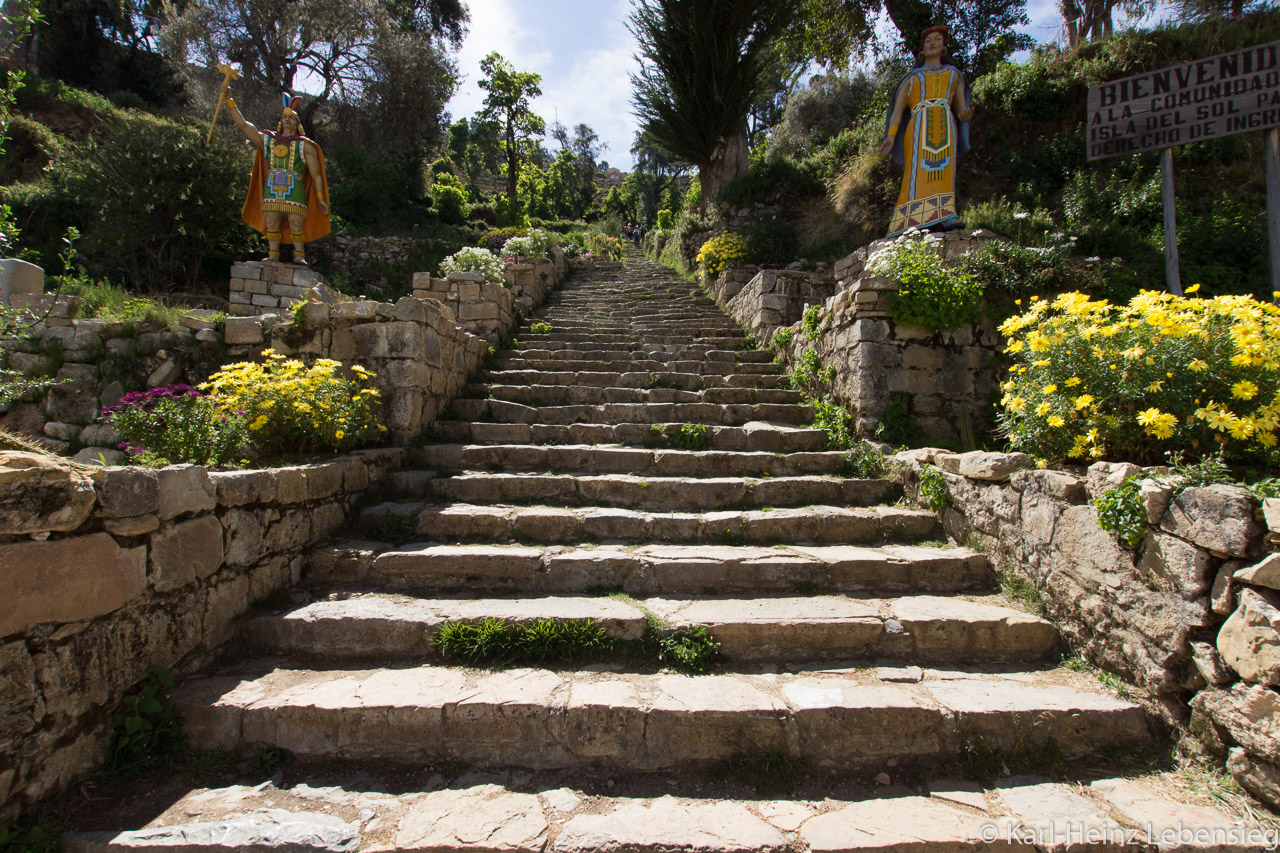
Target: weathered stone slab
x,y
1217,517
1250,713
668,825
184,489
66,580
954,629
268,829
485,819
1265,573
899,824
841,723
1260,778
709,718
40,493
127,492
1057,819
1249,640
186,551
1174,827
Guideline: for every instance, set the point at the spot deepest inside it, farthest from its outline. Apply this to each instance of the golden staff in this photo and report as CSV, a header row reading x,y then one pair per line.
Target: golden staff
x,y
228,74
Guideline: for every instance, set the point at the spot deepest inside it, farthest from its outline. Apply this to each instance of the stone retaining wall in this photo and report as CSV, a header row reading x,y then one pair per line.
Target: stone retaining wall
x,y
267,288
947,378
110,571
96,362
1191,616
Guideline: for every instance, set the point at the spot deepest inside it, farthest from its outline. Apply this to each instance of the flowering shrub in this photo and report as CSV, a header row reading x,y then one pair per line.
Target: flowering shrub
x,y
1164,374
473,259
721,252
604,246
292,408
930,294
535,244
177,424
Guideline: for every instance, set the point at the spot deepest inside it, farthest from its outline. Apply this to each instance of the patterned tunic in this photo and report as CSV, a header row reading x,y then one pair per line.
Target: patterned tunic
x,y
283,189
928,194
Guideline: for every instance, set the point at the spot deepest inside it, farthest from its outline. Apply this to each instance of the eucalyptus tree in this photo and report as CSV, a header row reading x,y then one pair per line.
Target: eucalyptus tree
x,y
703,65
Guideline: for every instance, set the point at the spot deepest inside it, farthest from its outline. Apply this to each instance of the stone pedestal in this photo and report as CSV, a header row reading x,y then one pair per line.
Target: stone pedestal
x,y
19,277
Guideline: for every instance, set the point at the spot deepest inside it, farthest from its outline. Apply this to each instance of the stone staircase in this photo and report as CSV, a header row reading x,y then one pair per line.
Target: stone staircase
x,y
856,651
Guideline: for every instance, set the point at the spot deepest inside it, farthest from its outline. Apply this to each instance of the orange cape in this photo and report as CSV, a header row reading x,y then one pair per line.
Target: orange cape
x,y
317,224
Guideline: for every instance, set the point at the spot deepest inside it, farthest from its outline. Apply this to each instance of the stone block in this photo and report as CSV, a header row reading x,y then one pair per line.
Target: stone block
x,y
184,489
266,829
40,494
67,580
169,372
1249,641
1264,574
1184,567
236,488
246,271
186,551
1249,713
1219,517
244,529
225,603
260,287
243,330
264,301
127,492
1258,777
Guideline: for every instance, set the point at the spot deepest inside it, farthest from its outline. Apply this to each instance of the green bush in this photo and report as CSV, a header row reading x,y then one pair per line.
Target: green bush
x,y
472,259
933,488
1164,374
772,242
780,180
931,294
175,425
536,243
450,203
364,188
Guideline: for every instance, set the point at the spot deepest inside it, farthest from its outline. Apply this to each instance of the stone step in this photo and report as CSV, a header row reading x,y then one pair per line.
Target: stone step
x,y
751,437
644,379
709,414
912,630
568,349
819,525
592,459
477,813
648,570
657,494
547,361
590,394
837,719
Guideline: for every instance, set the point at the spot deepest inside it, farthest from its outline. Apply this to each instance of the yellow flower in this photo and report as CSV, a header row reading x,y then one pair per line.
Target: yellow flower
x,y
1267,439
1056,421
1017,404
1157,423
1241,428
1244,390
1084,401
339,434
1049,389
1215,417
1072,382
1042,409
1158,385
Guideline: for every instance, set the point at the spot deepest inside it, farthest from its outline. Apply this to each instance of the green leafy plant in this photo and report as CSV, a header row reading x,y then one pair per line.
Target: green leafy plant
x,y
776,771
176,424
1121,511
40,832
782,338
864,461
688,649
933,488
897,426
691,437
270,759
536,243
540,329
931,294
833,419
498,642
815,321
148,729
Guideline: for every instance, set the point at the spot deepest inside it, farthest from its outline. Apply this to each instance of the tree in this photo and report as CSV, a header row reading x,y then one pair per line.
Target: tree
x,y
348,47
586,148
835,33
508,103
703,66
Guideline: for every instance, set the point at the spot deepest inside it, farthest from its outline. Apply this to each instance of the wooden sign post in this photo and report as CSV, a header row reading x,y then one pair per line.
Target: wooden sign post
x,y
1222,95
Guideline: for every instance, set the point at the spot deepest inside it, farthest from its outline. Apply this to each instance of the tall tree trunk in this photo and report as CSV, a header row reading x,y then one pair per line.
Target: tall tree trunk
x,y
513,166
728,161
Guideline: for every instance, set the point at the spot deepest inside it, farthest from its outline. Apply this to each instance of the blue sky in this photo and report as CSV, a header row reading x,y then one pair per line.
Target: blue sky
x,y
583,51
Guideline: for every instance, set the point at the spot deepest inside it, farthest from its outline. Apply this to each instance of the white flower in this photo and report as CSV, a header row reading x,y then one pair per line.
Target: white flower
x,y
1021,215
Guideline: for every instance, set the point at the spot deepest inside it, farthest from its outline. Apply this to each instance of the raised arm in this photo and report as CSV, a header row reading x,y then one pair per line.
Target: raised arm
x,y
895,120
250,132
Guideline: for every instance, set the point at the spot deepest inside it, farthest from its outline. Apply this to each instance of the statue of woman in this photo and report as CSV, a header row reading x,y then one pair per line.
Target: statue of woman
x,y
288,182
934,100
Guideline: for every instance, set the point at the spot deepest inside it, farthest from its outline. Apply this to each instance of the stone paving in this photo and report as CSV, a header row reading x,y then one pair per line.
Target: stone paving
x,y
852,642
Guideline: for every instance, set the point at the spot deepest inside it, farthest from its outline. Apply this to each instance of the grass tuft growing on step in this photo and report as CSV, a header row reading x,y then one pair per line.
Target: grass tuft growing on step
x,y
985,762
38,832
688,649
497,642
774,772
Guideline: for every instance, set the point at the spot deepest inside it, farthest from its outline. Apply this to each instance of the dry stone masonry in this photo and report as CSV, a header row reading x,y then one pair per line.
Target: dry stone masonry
x,y
946,377
110,571
1191,616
